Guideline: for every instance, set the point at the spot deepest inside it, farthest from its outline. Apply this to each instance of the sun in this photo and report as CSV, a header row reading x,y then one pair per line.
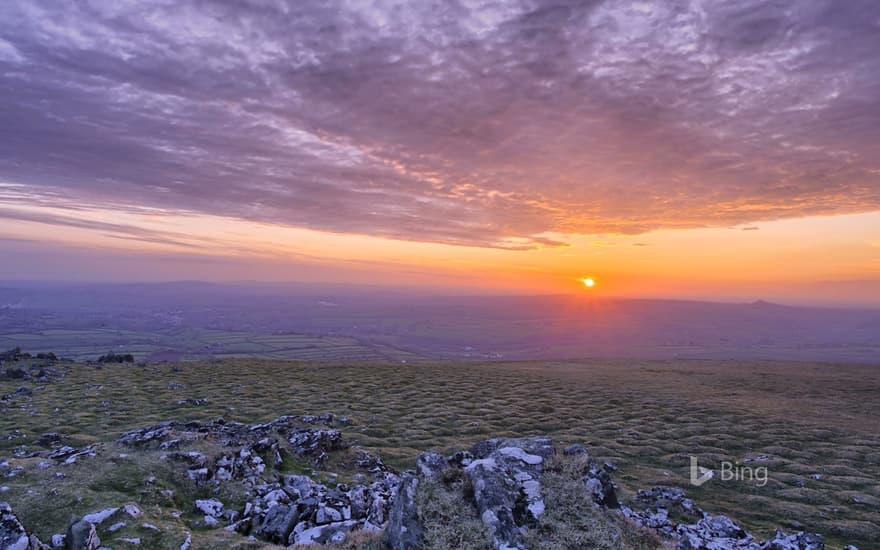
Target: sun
x,y
589,283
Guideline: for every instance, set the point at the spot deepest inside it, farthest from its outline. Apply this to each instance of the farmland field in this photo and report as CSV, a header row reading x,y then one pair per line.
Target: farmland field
x,y
812,425
188,344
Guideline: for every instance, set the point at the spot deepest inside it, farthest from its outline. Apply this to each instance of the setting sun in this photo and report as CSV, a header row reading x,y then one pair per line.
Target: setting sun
x,y
589,283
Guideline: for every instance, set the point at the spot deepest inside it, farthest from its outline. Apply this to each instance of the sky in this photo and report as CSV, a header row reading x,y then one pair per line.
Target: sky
x,y
670,148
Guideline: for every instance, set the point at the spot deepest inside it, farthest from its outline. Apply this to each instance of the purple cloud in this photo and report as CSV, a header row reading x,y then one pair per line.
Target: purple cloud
x,y
479,123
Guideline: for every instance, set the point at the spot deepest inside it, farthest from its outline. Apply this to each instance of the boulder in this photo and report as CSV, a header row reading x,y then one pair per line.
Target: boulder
x,y
98,518
495,494
12,533
278,523
332,533
404,532
82,535
210,507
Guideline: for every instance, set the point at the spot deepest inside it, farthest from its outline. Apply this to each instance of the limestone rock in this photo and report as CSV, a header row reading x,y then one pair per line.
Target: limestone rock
x,y
278,523
12,533
82,535
210,507
404,532
332,533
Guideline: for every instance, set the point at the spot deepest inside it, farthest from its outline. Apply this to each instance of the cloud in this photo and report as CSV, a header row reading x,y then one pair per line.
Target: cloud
x,y
751,228
477,123
113,230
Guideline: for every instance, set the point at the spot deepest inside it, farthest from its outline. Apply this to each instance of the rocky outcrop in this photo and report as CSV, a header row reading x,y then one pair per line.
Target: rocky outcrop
x,y
702,531
13,535
501,482
505,475
506,478
283,509
404,532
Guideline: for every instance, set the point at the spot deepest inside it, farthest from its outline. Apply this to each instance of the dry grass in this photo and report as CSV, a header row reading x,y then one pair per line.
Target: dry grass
x,y
572,520
645,416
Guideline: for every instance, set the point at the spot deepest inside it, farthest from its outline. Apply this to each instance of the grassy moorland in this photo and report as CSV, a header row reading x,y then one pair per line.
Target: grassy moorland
x,y
813,425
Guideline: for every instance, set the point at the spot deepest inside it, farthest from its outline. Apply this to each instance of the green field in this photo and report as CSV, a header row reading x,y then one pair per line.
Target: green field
x,y
816,424
191,344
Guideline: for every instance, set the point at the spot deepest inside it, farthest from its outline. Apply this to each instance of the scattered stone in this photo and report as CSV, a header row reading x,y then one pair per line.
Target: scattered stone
x,y
58,540
116,527
505,476
20,392
131,510
797,541
136,541
196,402
68,455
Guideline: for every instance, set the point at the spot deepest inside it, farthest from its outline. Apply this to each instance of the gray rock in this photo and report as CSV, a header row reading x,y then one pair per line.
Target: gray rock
x,y
100,517
332,533
796,541
404,532
495,494
541,446
210,507
714,532
599,485
82,535
12,533
431,464
278,523
131,510
313,442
